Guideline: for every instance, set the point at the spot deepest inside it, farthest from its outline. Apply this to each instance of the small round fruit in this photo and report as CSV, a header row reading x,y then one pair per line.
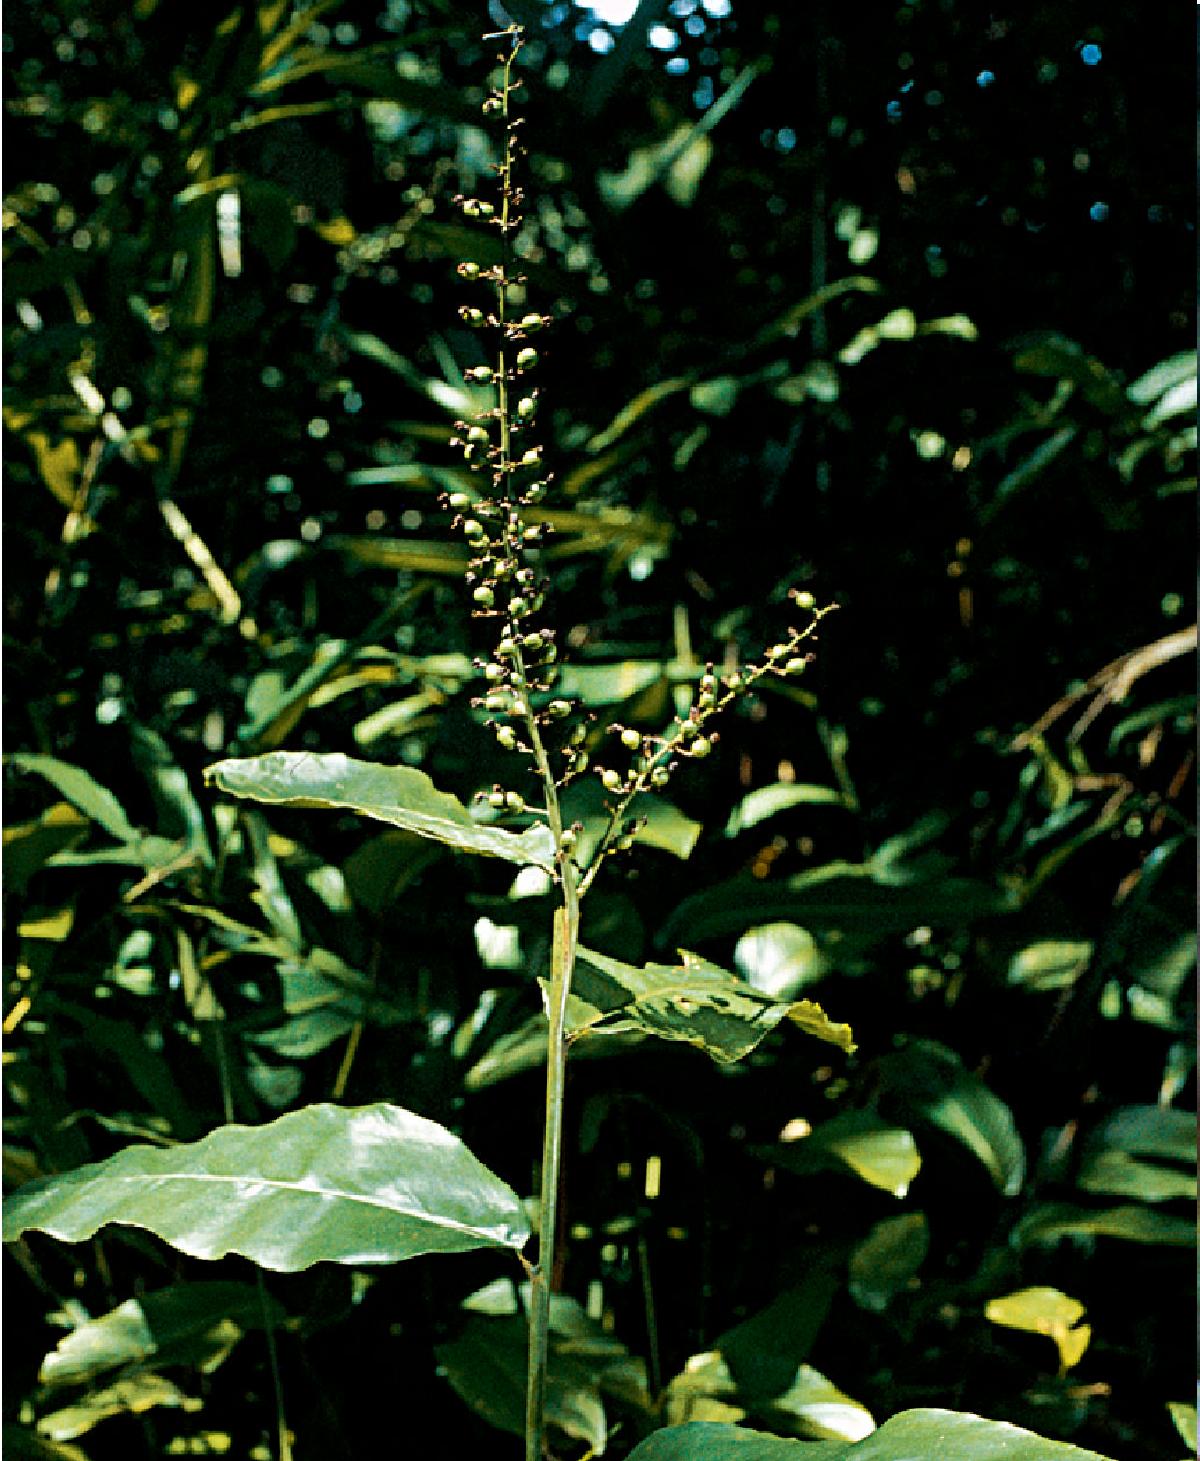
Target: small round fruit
x,y
611,780
630,739
484,597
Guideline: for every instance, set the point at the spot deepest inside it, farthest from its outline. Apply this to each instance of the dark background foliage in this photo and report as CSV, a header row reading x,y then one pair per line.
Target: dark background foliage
x,y
233,366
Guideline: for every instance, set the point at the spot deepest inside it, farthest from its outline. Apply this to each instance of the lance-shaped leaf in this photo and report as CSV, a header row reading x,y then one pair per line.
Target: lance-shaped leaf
x,y
693,1001
371,1185
399,795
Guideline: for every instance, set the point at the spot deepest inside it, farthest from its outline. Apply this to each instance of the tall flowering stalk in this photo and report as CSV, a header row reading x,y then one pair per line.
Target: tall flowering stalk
x,y
528,719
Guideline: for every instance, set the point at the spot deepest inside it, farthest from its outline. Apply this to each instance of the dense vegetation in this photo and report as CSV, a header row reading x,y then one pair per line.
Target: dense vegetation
x,y
894,310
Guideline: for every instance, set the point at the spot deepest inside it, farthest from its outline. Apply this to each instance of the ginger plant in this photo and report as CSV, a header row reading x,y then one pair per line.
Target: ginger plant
x,y
509,594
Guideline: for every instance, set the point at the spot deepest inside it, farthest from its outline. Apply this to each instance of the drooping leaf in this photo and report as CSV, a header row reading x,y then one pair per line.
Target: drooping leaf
x,y
369,1185
1047,1311
765,1352
94,800
398,795
928,1083
781,796
884,1155
693,1001
913,1435
133,1394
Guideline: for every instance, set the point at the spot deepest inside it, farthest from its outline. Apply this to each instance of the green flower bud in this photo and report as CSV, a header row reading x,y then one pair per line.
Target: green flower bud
x,y
611,780
527,358
484,597
630,739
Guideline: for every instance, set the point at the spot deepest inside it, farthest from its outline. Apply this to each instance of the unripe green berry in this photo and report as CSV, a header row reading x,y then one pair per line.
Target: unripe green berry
x,y
478,435
514,801
494,672
480,373
660,776
518,707
506,737
611,780
708,684
473,317
483,596
777,651
568,840
559,709
495,703
496,799
507,647
805,600
458,500
532,322
517,607
689,729
473,529
535,491
470,271
532,457
527,358
796,666
630,739
492,105
701,746
526,406
533,641
581,761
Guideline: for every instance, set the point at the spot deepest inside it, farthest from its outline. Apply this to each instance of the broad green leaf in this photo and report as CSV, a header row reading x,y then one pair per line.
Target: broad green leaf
x,y
398,795
929,1084
1045,1311
693,1001
666,827
94,800
1049,1221
887,1259
524,1048
781,796
369,1185
913,1435
884,1155
189,1323
28,846
779,959
809,1405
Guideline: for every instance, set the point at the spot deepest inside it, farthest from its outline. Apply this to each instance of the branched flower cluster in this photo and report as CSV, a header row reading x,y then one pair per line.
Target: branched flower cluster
x,y
505,582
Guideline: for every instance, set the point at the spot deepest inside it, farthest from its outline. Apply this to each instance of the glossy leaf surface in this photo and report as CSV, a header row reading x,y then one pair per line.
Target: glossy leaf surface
x,y
325,1183
398,795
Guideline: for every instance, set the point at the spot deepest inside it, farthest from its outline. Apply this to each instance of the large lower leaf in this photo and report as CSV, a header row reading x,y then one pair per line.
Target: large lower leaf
x,y
913,1435
399,795
370,1185
693,1001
